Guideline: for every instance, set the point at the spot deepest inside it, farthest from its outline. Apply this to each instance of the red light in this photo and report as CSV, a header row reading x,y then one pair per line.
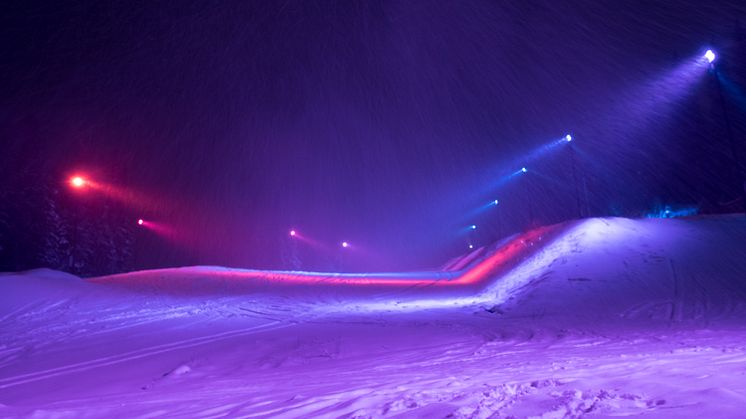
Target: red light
x,y
140,221
77,182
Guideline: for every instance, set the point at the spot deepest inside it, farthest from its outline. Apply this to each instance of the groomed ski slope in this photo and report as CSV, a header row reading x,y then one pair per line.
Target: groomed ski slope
x,y
597,317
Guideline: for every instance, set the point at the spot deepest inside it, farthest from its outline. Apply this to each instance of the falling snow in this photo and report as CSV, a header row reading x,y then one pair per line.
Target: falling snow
x,y
468,209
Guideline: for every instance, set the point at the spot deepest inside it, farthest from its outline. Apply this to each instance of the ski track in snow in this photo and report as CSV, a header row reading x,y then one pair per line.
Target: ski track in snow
x,y
131,355
611,318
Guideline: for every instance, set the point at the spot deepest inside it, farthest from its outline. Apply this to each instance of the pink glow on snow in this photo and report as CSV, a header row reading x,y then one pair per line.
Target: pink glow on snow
x,y
478,275
491,265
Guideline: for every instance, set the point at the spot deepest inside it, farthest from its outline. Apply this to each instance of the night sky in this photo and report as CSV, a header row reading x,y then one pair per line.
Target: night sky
x,y
386,124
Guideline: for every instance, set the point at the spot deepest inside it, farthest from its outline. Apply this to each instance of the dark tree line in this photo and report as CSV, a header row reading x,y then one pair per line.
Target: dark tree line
x,y
44,224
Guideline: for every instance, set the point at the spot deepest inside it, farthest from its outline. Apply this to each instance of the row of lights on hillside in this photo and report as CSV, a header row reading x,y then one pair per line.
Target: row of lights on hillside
x,y
294,234
495,202
709,55
80,182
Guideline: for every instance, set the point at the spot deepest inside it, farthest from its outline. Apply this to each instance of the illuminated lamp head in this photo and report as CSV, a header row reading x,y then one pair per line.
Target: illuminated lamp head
x,y
77,182
710,56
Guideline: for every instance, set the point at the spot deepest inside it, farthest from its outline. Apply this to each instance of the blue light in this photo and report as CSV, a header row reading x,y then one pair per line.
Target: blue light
x,y
672,212
495,202
473,227
710,55
524,170
568,138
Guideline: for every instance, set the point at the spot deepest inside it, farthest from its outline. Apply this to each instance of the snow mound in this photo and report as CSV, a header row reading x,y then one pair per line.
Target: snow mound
x,y
667,271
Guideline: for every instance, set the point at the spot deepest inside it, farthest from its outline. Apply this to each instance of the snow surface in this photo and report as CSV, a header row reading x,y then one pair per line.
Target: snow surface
x,y
599,317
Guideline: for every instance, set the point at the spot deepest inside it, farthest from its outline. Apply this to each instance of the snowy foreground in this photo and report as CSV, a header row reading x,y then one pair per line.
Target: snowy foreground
x,y
600,317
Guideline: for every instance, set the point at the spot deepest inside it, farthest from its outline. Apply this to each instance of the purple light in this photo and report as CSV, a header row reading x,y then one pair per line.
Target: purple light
x,y
292,233
710,55
345,244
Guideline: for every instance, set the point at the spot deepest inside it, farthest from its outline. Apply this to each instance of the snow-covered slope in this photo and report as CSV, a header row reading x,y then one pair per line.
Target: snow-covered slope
x,y
652,271
598,316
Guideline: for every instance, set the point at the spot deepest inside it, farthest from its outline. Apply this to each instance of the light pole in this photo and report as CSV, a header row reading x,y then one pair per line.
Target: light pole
x,y
529,194
735,155
568,138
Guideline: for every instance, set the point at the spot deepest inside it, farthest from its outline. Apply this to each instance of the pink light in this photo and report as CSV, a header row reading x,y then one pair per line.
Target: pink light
x,y
77,182
345,244
293,233
140,221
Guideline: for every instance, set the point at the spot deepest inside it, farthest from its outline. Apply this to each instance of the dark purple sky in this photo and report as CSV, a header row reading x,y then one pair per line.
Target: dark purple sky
x,y
381,123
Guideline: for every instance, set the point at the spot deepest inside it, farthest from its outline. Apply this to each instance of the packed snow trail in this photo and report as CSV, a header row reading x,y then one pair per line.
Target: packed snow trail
x,y
594,317
475,273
